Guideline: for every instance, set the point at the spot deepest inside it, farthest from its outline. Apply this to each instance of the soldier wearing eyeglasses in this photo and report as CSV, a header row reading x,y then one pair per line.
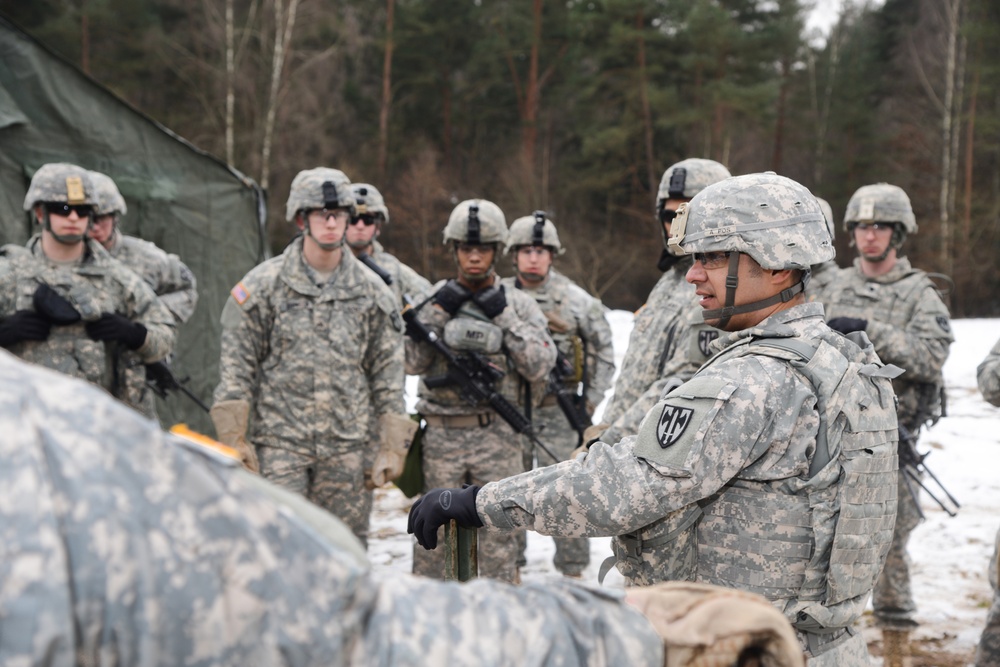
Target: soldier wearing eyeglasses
x,y
311,345
362,238
669,340
903,315
772,470
64,302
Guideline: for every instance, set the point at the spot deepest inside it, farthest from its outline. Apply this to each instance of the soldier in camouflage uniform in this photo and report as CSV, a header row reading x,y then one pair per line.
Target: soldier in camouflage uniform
x,y
580,329
823,273
312,341
669,340
171,280
988,652
474,313
362,238
127,545
739,477
65,302
899,309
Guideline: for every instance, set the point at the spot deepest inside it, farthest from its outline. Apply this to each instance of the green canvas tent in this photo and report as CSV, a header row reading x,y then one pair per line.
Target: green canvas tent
x,y
179,197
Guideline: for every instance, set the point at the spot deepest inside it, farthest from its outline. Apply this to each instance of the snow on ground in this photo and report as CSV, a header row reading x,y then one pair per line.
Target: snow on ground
x,y
950,554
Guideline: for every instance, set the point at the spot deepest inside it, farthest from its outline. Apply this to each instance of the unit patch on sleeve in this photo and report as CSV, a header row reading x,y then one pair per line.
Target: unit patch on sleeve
x,y
673,427
673,422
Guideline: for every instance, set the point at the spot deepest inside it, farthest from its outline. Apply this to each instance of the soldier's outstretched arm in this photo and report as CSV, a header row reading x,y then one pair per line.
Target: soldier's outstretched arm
x,y
179,289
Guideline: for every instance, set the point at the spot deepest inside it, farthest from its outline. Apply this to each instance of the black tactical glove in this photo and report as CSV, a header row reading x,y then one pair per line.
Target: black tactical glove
x,y
437,507
451,296
846,325
160,374
54,307
23,325
117,328
492,300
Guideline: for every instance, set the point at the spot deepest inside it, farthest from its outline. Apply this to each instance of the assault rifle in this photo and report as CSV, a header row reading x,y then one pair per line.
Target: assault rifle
x,y
367,260
161,380
911,464
474,376
571,403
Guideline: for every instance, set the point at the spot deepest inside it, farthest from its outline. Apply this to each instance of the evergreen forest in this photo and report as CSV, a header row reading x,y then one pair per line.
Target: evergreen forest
x,y
575,107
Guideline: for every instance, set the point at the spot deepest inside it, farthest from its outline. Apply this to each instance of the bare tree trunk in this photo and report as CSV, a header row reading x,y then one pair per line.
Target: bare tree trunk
x,y
230,82
946,129
957,113
84,38
779,125
647,116
383,117
283,25
970,135
823,116
532,93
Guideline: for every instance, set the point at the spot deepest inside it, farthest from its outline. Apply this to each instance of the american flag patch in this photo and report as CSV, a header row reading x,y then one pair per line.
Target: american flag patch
x,y
240,293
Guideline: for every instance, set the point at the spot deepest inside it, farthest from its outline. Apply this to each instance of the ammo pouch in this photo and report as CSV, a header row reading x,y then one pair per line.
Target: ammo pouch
x,y
467,334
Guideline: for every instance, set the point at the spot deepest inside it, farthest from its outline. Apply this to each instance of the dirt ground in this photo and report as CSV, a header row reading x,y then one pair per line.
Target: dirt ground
x,y
935,652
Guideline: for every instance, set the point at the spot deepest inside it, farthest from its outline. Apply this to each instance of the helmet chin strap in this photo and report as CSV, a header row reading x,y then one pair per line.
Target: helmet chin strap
x,y
726,313
66,239
490,270
325,246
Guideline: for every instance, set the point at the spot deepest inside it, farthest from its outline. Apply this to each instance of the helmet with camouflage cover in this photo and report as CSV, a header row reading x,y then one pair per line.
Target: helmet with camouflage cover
x,y
321,187
61,183
881,203
476,221
828,216
534,230
687,178
773,219
109,199
683,181
369,201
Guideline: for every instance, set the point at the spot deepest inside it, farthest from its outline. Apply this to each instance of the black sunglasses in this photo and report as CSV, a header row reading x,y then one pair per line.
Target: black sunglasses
x,y
82,210
667,215
366,220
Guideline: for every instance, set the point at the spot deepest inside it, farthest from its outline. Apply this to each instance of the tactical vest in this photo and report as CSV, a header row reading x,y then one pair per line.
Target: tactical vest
x,y
817,551
470,331
553,300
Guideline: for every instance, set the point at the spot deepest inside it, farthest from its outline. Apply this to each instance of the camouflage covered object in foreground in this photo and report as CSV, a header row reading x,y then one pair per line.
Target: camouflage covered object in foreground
x,y
124,545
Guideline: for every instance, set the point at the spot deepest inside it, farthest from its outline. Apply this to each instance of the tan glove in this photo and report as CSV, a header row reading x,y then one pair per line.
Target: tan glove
x,y
231,419
396,435
591,434
703,626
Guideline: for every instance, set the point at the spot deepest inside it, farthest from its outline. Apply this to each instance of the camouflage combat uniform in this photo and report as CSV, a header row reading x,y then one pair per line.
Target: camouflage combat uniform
x,y
97,284
174,284
988,652
740,441
311,357
580,329
685,344
472,444
909,326
125,544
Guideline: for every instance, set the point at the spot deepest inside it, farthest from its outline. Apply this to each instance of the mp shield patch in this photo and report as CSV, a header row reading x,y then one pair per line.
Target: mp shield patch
x,y
673,422
705,338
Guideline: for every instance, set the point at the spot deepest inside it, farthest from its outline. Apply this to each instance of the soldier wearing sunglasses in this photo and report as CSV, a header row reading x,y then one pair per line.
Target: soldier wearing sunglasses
x,y
64,302
362,238
669,340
